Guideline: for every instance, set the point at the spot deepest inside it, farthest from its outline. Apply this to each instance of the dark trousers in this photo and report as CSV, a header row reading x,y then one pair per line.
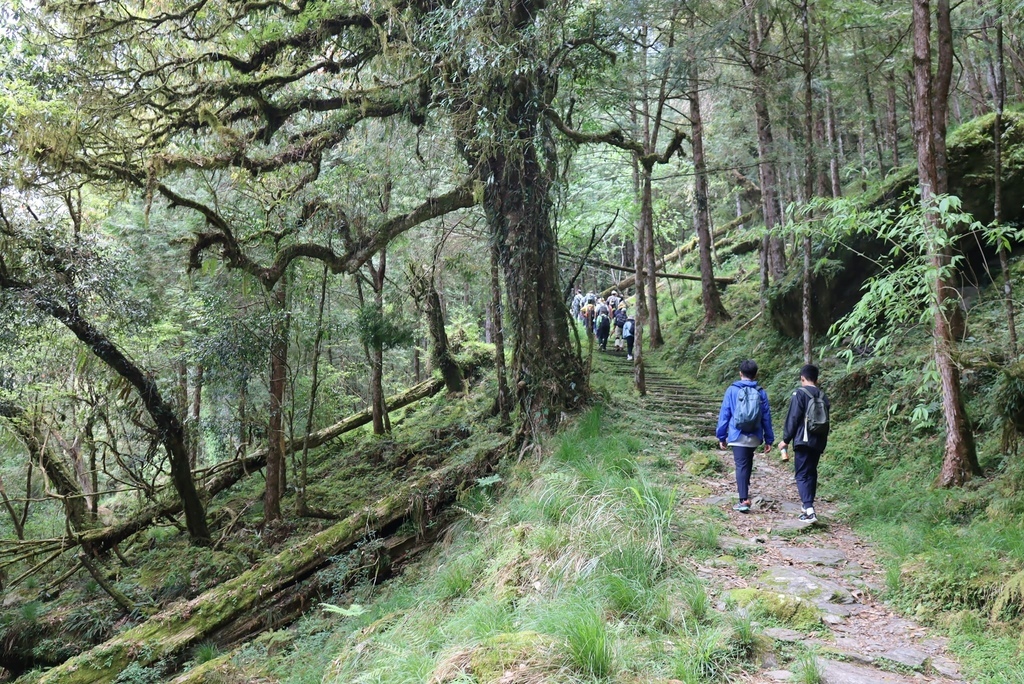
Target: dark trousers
x,y
805,461
744,459
629,345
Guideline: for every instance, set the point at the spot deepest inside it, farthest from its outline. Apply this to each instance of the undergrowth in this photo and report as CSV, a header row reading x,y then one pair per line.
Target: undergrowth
x,y
576,572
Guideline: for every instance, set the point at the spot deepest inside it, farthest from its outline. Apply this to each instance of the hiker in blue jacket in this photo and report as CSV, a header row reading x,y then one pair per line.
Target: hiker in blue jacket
x,y
744,423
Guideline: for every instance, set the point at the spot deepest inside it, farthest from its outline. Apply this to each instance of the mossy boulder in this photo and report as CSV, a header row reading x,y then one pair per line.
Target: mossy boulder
x,y
792,611
840,274
702,463
499,654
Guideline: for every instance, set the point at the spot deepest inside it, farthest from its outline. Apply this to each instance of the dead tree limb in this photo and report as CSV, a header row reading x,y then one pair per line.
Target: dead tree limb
x,y
104,538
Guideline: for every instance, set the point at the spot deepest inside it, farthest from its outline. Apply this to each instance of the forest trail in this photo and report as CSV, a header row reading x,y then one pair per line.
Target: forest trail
x,y
859,639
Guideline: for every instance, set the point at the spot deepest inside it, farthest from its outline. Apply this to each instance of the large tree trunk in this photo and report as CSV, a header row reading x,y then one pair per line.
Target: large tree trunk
x,y
714,310
169,428
960,459
547,374
276,462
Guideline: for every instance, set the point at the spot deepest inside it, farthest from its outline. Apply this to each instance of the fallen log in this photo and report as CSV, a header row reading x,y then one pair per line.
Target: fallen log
x,y
680,252
231,472
185,623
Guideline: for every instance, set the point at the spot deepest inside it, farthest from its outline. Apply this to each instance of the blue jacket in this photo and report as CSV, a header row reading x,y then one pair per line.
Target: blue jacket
x,y
727,431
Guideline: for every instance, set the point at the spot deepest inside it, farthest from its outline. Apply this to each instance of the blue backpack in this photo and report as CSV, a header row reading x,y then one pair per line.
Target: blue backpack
x,y
748,408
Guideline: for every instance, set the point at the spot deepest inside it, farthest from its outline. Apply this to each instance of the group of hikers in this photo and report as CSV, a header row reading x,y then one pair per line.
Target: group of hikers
x,y
605,318
745,419
745,424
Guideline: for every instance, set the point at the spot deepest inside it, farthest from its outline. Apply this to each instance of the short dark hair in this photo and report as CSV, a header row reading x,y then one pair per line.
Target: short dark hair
x,y
809,372
748,369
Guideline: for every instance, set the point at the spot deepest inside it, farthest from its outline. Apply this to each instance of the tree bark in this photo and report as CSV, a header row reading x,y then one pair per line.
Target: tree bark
x,y
809,174
997,181
960,460
714,310
440,353
775,258
276,461
504,398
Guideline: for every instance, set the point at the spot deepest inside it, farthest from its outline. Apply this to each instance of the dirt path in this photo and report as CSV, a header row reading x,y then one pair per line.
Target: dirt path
x,y
860,639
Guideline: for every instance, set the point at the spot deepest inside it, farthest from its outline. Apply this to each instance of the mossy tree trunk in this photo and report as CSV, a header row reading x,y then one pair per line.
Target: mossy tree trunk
x,y
504,400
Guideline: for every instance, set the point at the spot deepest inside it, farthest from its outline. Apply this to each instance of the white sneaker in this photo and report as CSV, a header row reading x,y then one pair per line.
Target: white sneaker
x,y
629,358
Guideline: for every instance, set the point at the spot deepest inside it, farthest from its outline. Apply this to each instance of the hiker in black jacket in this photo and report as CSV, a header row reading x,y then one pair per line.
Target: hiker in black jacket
x,y
808,406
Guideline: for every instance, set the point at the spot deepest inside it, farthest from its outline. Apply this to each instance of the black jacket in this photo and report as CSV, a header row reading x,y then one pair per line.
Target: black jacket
x,y
793,432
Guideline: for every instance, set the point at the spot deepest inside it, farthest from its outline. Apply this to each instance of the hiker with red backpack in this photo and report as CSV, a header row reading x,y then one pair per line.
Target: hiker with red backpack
x,y
745,423
806,429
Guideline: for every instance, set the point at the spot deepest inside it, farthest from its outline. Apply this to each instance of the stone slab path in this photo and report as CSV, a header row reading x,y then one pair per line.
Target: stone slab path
x,y
861,640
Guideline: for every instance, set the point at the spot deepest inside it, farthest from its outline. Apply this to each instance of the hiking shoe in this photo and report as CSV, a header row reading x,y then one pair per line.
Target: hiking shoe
x,y
629,357
742,506
808,517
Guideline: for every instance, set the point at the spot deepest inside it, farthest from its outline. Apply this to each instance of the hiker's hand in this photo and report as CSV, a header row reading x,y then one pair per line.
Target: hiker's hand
x,y
721,445
767,447
782,445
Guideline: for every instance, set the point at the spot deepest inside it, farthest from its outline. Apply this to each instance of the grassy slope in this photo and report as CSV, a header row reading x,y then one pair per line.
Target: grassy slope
x,y
578,570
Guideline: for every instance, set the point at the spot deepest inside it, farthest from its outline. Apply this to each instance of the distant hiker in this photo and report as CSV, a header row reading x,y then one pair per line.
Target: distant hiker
x,y
602,326
628,329
587,314
614,300
577,304
619,319
806,429
744,423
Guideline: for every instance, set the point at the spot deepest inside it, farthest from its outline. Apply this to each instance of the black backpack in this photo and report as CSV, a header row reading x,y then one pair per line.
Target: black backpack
x,y
816,420
748,408
621,317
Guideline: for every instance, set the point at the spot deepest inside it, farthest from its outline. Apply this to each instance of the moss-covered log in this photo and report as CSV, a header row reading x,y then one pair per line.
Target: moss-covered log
x,y
185,623
229,473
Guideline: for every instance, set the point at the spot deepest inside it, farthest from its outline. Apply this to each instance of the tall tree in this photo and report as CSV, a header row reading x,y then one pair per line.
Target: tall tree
x,y
711,299
931,91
